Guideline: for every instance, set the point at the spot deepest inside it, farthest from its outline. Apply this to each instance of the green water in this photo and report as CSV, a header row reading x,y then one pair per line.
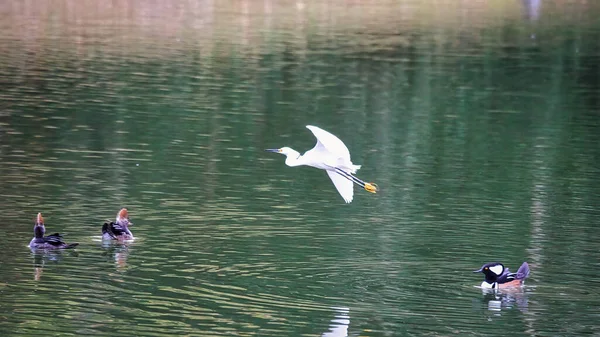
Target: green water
x,y
484,142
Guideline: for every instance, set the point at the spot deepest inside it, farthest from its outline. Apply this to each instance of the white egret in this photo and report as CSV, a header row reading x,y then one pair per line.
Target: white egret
x,y
330,154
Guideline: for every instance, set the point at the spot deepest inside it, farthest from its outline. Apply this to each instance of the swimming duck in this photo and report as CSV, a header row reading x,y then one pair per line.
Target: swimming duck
x,y
52,241
119,229
499,277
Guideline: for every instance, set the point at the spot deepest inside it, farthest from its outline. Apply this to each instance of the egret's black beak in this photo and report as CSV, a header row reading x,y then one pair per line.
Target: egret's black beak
x,y
480,270
273,150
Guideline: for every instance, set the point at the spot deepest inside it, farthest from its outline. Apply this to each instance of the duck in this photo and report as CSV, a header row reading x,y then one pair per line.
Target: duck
x,y
499,277
119,229
52,241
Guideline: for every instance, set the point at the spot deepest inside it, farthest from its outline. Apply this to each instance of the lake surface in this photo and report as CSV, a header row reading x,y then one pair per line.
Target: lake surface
x,y
479,123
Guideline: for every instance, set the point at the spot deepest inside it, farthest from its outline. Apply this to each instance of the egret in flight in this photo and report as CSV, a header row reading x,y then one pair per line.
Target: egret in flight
x,y
330,154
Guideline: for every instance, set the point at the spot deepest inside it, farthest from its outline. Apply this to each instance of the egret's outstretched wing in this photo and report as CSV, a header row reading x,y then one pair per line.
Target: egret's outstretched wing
x,y
343,185
328,142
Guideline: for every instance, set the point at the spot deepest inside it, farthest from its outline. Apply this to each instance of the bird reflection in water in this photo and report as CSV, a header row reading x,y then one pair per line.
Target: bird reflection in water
x,y
117,251
42,257
506,299
339,324
531,12
531,9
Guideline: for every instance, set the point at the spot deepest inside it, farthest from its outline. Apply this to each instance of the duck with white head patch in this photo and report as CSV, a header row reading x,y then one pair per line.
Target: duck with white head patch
x,y
497,276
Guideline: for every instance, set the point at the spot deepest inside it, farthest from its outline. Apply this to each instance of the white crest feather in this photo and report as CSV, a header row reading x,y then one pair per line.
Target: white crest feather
x,y
497,269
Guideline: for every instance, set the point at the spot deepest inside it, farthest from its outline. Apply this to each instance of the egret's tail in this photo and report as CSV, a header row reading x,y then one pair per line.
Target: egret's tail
x,y
354,168
369,187
348,168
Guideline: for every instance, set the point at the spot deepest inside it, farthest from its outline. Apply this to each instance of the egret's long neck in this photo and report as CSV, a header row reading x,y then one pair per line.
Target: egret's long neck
x,y
294,159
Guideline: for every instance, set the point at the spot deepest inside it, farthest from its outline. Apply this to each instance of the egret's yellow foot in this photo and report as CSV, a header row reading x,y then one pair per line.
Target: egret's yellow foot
x,y
371,187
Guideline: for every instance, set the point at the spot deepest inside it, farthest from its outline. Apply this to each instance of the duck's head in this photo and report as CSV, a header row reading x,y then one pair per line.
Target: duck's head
x,y
39,229
123,218
491,271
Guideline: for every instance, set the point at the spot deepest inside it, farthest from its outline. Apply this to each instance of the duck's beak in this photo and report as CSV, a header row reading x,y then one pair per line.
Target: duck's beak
x,y
480,270
273,150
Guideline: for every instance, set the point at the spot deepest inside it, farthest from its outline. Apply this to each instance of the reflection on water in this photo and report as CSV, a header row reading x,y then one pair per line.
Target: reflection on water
x,y
531,9
497,301
339,325
486,144
42,257
117,252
